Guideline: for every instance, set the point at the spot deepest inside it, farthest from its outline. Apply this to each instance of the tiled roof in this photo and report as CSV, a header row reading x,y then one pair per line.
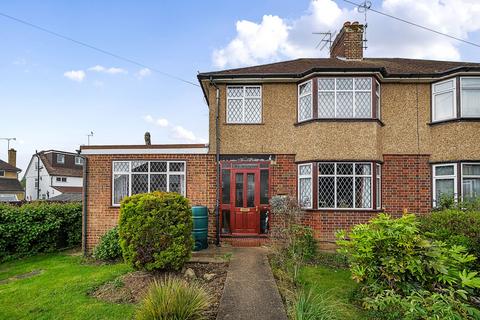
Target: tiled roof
x,y
8,167
60,171
67,197
10,185
389,67
68,189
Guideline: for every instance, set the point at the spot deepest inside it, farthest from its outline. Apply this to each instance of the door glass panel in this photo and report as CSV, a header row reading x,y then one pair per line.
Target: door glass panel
x,y
239,190
264,186
226,186
250,190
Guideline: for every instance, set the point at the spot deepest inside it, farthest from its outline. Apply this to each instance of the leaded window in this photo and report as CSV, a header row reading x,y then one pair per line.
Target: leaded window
x,y
244,104
305,111
305,185
345,97
444,100
444,182
379,186
139,176
343,185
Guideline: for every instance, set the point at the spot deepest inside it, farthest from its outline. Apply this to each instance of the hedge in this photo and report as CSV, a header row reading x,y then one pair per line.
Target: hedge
x,y
38,227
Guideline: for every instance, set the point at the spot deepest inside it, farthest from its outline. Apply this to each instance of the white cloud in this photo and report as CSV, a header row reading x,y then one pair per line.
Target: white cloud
x,y
275,38
176,132
142,73
75,75
112,70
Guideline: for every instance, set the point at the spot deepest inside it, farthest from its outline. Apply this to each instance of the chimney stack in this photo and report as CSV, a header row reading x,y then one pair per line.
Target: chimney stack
x,y
12,157
348,44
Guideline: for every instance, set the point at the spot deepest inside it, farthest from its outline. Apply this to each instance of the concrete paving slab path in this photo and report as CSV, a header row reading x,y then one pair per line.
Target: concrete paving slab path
x,y
250,290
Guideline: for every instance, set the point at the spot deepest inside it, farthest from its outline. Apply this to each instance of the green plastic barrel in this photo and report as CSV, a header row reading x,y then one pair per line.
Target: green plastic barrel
x,y
200,227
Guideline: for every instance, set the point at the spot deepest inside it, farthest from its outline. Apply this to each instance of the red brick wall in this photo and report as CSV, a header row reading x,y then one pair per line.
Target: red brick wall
x,y
102,216
284,175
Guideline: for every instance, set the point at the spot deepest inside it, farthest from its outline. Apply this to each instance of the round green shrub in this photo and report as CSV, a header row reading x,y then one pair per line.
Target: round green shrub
x,y
155,230
109,246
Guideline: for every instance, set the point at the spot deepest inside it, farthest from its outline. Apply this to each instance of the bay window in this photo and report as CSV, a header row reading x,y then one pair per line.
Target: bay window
x,y
305,185
470,180
444,182
470,97
244,104
305,101
444,100
133,177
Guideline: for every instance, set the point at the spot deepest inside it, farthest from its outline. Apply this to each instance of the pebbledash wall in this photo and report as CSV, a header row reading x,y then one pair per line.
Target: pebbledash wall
x,y
406,186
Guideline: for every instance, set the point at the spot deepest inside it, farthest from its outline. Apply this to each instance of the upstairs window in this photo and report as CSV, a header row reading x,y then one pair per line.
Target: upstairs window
x,y
60,158
305,101
2,173
244,104
345,98
470,97
79,161
61,179
444,100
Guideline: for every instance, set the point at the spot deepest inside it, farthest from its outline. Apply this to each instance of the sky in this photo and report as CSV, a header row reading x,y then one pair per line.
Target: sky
x,y
54,92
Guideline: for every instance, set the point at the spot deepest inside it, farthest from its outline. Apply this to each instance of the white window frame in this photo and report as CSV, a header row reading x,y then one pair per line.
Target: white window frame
x,y
378,181
353,91
468,176
461,101
335,175
148,173
36,184
434,93
299,96
378,95
60,156
78,161
244,87
305,176
445,177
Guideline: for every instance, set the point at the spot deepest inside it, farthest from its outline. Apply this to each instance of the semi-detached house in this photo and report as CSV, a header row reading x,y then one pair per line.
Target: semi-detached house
x,y
347,136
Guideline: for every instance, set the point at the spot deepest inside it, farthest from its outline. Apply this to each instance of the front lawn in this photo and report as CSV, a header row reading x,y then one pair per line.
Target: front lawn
x,y
337,285
56,286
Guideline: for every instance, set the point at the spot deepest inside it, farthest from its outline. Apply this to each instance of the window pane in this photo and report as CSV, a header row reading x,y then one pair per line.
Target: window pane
x,y
444,170
470,103
226,186
305,88
305,192
471,170
326,84
326,192
239,190
443,105
344,104
471,188
305,169
326,104
363,192
158,166
345,168
139,183
363,169
158,182
305,108
225,221
234,110
363,105
470,82
443,86
121,166
252,91
250,190
264,187
177,183
444,188
177,166
363,83
120,187
345,84
235,92
326,168
253,110
379,192
139,166
345,192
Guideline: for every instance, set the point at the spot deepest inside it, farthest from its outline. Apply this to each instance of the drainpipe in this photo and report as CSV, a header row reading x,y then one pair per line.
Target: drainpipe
x,y
217,157
38,174
84,205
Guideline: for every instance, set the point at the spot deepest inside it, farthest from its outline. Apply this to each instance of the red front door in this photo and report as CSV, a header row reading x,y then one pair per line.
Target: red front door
x,y
246,201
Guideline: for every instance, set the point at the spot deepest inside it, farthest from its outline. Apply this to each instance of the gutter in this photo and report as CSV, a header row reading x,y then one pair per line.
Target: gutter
x,y
217,158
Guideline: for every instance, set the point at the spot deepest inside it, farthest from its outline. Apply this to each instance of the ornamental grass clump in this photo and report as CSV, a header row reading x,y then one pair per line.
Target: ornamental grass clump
x,y
173,299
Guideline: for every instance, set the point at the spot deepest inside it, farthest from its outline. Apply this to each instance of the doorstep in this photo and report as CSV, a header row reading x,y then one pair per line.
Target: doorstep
x,y
245,240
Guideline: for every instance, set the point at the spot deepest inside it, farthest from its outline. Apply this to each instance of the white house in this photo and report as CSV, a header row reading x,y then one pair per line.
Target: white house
x,y
54,175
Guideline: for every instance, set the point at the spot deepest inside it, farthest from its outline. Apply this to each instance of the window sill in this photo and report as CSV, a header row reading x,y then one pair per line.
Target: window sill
x,y
244,124
344,210
472,119
340,120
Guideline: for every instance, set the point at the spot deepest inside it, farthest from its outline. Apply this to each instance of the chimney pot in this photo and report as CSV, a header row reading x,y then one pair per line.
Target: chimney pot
x,y
12,157
348,43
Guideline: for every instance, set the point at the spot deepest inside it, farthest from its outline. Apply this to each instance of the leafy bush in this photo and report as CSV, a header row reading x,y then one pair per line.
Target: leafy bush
x,y
332,259
173,299
308,306
403,273
109,246
155,230
38,227
454,226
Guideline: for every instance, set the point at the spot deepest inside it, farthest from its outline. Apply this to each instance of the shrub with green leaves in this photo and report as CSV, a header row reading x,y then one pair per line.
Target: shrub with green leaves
x,y
109,246
403,273
155,230
38,227
173,299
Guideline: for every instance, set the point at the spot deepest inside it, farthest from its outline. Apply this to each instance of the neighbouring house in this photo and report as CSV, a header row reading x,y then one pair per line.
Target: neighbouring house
x,y
10,188
54,175
348,136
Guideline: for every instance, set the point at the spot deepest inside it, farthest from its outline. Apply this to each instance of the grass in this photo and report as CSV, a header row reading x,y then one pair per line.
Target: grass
x,y
60,290
337,285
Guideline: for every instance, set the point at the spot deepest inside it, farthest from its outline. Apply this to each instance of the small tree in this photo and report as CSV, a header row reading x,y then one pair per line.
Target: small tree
x,y
155,230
